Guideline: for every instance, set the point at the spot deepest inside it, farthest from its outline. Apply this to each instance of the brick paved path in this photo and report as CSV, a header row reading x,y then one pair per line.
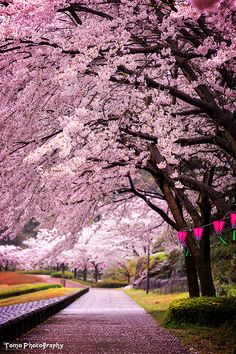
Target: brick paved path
x,y
101,322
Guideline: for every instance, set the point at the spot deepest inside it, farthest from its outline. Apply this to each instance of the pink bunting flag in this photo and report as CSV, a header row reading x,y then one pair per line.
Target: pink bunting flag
x,y
182,236
198,231
218,227
233,224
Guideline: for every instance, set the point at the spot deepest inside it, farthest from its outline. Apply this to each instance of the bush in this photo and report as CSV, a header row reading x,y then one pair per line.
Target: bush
x,y
68,275
203,311
37,271
111,284
83,282
25,289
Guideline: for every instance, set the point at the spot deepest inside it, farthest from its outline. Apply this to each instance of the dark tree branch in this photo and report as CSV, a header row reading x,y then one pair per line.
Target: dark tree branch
x,y
216,197
139,134
77,7
210,139
207,107
188,112
164,216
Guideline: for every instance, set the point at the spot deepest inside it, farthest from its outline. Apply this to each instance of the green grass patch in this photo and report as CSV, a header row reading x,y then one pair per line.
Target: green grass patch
x,y
39,295
17,290
156,305
206,340
36,271
67,275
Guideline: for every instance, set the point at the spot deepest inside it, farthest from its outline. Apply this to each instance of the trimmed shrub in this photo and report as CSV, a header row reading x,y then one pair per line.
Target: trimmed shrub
x,y
68,275
25,289
87,282
37,271
111,284
203,311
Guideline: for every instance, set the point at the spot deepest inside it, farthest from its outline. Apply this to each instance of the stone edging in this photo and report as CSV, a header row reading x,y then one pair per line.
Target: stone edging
x,y
16,327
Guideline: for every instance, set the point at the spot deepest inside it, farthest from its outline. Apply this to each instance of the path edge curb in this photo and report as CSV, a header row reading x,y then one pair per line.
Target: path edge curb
x,y
22,324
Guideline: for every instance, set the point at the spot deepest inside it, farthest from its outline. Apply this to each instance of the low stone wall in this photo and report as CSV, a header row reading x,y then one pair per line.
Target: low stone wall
x,y
16,327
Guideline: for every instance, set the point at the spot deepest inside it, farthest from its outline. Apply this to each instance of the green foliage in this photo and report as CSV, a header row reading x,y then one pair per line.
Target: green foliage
x,y
37,271
122,272
203,311
68,275
231,290
83,282
111,284
25,289
223,259
159,256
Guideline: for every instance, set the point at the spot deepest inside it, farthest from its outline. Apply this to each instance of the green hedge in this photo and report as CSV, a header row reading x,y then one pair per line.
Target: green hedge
x,y
68,275
203,311
37,271
87,282
111,284
25,289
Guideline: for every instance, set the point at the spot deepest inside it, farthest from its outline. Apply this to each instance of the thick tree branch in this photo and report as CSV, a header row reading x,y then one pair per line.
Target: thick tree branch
x,y
207,107
151,205
210,139
214,195
141,135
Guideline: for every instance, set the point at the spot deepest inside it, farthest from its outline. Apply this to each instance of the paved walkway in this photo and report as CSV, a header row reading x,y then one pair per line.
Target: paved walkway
x,y
68,283
101,322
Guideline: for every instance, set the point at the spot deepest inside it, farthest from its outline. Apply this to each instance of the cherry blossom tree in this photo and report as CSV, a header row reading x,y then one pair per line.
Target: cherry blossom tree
x,y
9,257
114,100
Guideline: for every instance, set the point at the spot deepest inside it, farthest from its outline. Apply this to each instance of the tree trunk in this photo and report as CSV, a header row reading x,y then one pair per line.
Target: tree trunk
x,y
192,279
204,268
203,263
63,270
128,278
85,274
148,270
57,267
205,277
95,274
6,266
75,272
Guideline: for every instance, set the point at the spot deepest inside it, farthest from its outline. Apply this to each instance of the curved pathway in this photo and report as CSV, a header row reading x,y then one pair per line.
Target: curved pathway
x,y
101,322
68,283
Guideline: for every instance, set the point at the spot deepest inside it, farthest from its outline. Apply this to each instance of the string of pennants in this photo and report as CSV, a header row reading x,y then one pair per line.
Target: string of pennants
x,y
218,226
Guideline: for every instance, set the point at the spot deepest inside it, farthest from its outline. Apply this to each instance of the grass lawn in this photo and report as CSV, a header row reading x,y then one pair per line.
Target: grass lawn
x,y
16,290
39,295
156,305
200,340
12,278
